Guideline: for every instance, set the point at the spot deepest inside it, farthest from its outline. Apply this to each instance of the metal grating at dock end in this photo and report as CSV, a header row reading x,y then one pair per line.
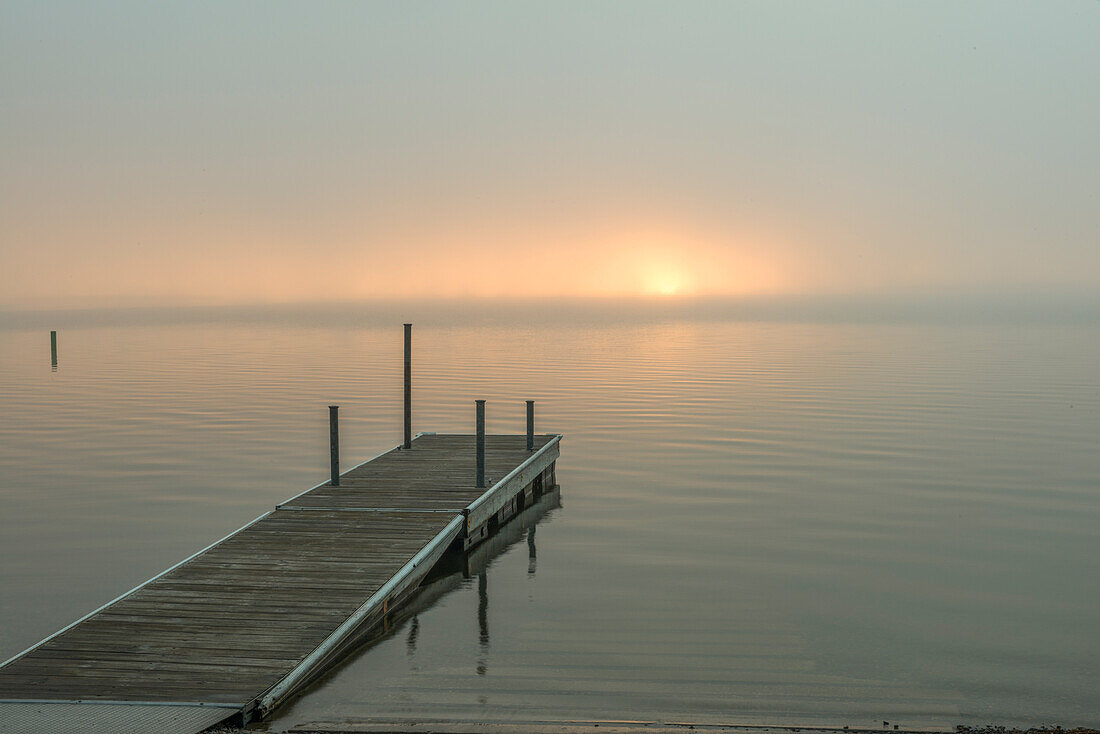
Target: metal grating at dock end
x,y
106,718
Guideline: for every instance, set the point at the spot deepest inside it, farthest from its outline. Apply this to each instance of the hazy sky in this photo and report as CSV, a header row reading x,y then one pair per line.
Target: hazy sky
x,y
238,152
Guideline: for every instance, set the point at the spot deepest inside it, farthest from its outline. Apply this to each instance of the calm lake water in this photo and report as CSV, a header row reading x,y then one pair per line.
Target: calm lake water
x,y
758,522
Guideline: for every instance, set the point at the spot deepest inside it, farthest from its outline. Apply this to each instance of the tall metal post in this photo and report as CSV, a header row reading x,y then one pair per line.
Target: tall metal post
x,y
53,349
530,425
408,385
480,446
334,443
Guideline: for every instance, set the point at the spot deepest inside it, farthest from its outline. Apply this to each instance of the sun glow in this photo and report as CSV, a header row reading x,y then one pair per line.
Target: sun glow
x,y
664,281
662,262
666,262
666,268
668,288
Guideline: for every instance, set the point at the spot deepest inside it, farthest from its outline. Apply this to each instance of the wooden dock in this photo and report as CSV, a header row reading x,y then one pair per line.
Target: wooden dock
x,y
237,628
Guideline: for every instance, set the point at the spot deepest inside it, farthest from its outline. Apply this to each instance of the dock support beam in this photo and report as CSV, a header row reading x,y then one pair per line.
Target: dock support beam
x,y
334,443
480,443
408,385
530,425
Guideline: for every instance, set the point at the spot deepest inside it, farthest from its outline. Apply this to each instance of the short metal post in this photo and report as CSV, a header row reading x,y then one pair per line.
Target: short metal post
x,y
480,443
334,443
53,349
408,385
530,425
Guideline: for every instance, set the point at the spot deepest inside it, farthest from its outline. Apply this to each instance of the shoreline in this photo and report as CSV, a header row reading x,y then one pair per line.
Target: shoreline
x,y
625,727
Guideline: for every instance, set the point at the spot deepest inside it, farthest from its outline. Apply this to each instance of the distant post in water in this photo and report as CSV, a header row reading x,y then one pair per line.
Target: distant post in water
x,y
334,443
408,385
53,349
480,445
530,425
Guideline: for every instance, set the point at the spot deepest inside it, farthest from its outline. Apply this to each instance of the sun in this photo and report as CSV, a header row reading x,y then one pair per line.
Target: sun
x,y
669,264
667,287
663,279
680,273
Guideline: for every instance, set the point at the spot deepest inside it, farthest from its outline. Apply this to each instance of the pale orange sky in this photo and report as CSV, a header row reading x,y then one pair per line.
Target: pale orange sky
x,y
177,153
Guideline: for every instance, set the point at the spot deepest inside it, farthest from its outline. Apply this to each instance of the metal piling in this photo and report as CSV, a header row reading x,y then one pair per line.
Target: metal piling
x,y
530,425
480,443
408,386
334,443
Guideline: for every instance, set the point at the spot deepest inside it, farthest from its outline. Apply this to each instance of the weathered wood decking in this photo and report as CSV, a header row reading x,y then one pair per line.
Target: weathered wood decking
x,y
241,625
